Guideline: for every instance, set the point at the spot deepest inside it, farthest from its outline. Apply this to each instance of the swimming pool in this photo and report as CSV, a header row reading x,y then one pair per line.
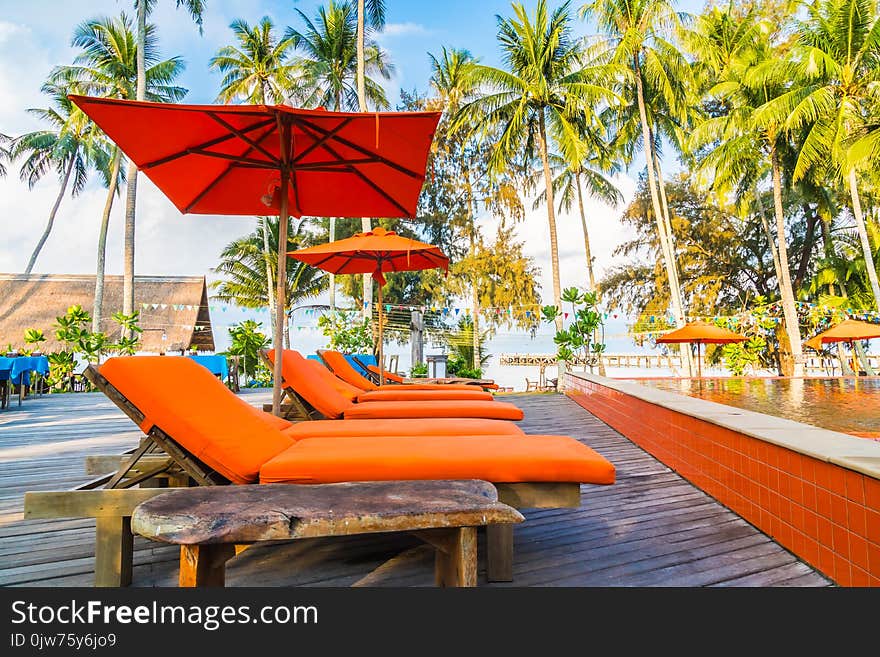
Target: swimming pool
x,y
847,404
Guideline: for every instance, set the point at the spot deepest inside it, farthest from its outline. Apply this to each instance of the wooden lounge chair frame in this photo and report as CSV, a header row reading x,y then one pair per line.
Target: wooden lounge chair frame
x,y
160,461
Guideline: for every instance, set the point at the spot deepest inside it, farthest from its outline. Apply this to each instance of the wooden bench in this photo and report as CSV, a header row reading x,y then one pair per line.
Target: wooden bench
x,y
214,524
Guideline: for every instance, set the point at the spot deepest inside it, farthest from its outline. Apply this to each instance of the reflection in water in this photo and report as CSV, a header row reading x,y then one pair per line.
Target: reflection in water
x,y
847,404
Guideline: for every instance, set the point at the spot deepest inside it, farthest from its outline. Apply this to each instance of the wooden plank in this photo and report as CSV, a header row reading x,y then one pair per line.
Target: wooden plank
x,y
204,565
456,566
540,495
113,551
499,553
86,503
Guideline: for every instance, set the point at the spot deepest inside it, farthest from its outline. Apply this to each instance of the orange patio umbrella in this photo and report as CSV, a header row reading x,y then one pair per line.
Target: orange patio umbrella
x,y
849,330
700,332
273,159
377,252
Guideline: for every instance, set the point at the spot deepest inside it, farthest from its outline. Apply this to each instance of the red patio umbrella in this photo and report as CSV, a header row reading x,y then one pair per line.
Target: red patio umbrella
x,y
849,330
700,332
262,159
377,252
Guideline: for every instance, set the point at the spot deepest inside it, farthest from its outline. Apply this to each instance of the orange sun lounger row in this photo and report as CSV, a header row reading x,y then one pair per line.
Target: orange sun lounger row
x,y
247,445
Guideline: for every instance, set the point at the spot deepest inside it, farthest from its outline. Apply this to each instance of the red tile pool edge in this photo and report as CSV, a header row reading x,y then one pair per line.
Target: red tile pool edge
x,y
825,514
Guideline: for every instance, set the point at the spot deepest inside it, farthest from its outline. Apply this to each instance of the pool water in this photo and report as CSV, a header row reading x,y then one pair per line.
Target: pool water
x,y
847,404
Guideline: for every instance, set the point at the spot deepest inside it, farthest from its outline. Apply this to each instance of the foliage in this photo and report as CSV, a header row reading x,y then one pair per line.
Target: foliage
x,y
419,370
32,338
247,340
460,345
579,341
348,333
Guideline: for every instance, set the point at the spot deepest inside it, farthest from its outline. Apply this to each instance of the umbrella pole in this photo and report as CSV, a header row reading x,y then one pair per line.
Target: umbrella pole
x,y
381,340
699,362
281,277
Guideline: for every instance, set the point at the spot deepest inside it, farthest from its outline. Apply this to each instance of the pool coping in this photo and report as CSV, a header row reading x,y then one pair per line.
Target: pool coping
x,y
851,452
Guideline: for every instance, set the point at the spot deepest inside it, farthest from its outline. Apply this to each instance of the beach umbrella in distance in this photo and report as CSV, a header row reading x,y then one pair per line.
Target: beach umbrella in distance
x,y
378,252
849,330
273,159
700,333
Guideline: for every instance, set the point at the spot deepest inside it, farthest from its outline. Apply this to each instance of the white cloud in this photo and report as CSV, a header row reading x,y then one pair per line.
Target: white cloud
x,y
403,29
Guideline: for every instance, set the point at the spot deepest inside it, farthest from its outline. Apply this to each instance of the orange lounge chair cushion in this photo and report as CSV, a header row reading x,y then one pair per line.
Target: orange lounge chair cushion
x,y
192,406
498,459
391,376
441,426
299,375
493,410
403,393
344,370
344,388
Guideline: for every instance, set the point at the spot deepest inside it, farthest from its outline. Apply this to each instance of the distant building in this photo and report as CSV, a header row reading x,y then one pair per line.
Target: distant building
x,y
173,309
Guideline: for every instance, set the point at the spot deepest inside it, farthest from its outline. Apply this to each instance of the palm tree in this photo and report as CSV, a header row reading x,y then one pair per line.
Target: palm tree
x,y
70,147
258,70
327,76
4,153
637,37
837,63
107,66
744,143
543,94
244,276
195,8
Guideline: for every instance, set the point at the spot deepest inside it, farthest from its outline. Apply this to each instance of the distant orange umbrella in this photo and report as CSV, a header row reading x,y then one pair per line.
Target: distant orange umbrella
x,y
849,330
377,252
700,332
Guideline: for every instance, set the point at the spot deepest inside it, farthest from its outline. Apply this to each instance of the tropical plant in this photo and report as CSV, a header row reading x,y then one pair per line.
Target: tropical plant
x,y
257,70
638,40
70,147
195,8
4,153
243,272
33,337
247,340
544,98
460,343
346,332
578,342
419,370
106,66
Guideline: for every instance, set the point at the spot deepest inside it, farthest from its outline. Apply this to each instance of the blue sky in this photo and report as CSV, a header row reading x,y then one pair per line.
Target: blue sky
x,y
35,35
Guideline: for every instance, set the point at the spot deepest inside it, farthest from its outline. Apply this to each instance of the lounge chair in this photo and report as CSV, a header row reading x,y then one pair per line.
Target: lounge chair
x,y
208,436
339,365
312,397
396,379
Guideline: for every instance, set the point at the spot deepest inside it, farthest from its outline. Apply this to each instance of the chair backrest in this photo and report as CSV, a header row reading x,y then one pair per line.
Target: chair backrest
x,y
391,377
345,389
299,376
344,370
199,413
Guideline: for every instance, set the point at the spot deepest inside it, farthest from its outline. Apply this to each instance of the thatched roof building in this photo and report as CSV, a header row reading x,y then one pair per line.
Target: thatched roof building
x,y
173,309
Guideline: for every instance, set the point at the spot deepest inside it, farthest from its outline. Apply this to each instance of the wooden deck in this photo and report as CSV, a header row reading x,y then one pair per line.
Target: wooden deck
x,y
651,528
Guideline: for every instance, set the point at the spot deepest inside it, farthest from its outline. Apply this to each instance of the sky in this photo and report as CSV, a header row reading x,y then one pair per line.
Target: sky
x,y
35,35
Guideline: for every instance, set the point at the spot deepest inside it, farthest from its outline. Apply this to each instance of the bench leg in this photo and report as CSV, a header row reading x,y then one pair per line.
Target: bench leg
x,y
114,550
499,553
204,565
457,564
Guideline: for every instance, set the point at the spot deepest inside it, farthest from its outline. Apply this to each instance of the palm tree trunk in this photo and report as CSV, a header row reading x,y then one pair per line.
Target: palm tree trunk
x,y
131,187
807,250
475,296
674,290
785,290
591,277
551,220
270,282
770,241
98,310
366,224
863,237
52,213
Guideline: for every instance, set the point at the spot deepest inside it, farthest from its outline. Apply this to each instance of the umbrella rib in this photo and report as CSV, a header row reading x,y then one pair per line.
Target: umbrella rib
x,y
241,135
321,141
222,175
207,144
235,158
307,128
365,151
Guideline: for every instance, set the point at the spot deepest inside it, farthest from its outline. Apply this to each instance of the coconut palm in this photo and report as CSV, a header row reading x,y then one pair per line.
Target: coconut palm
x,y
257,69
195,8
243,274
637,33
71,146
107,66
4,153
542,99
837,64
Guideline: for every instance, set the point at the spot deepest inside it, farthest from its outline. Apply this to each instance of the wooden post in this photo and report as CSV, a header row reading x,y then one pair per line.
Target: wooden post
x,y
499,553
281,273
457,565
417,342
114,551
204,565
381,340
